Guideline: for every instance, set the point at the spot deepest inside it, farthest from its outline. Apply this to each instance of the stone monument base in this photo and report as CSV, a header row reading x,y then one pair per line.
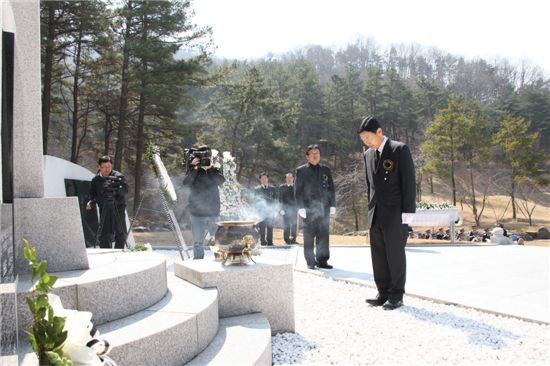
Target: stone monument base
x,y
265,287
8,320
53,226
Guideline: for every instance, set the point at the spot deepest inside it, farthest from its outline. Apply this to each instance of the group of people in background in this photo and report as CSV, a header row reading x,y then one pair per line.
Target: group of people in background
x,y
276,202
310,195
475,235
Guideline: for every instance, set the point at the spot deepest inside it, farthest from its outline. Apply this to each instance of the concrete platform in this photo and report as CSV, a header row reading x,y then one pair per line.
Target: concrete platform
x,y
242,340
506,279
265,287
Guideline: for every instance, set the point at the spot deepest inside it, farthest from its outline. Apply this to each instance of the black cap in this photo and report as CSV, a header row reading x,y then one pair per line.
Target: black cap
x,y
369,124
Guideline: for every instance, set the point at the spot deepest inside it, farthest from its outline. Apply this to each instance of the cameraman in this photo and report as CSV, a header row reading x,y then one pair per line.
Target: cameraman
x,y
203,180
108,191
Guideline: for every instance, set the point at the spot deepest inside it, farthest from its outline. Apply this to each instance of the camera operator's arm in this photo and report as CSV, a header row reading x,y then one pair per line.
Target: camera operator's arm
x,y
93,195
193,173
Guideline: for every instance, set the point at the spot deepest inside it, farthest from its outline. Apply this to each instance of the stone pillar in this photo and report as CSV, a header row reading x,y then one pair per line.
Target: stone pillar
x,y
51,225
28,181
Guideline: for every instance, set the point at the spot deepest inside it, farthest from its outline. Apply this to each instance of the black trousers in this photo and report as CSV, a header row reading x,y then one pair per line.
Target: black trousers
x,y
266,232
289,229
387,248
114,223
316,239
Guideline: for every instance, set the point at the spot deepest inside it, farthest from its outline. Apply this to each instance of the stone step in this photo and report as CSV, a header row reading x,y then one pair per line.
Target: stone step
x,y
171,332
242,340
117,284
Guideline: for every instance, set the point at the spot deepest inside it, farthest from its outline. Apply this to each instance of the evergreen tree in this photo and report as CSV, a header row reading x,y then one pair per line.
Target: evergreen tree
x,y
246,117
519,148
445,138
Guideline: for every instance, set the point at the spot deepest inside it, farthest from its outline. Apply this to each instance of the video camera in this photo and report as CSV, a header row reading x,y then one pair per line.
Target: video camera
x,y
112,183
203,153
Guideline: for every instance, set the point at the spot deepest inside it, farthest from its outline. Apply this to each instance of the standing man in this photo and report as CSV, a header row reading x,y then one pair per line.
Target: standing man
x,y
316,201
108,190
288,209
265,201
391,190
203,182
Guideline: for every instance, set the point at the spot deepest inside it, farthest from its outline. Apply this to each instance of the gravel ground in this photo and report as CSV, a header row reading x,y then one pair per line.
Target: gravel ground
x,y
334,325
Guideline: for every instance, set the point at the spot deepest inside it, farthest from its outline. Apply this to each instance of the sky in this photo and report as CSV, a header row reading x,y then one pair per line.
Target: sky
x,y
518,30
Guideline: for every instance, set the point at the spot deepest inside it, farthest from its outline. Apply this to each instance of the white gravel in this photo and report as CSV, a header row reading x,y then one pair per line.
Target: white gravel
x,y
334,325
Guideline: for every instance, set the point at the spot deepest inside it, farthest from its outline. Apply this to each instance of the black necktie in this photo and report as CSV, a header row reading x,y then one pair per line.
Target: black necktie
x,y
377,159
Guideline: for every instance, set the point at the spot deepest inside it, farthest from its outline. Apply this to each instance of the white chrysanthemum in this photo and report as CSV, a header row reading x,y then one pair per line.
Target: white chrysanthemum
x,y
78,326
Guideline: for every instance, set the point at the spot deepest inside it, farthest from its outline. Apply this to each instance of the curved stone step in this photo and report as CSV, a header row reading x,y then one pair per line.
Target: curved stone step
x,y
117,284
171,332
242,340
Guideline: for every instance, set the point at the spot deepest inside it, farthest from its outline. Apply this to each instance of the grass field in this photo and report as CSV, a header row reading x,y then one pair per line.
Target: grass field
x,y
168,239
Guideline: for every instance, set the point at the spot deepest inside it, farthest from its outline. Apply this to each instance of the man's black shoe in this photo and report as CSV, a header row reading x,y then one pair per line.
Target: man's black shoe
x,y
392,304
378,301
311,266
324,265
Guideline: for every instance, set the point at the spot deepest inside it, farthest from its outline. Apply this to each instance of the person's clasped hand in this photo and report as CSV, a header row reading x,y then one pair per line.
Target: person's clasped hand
x,y
302,213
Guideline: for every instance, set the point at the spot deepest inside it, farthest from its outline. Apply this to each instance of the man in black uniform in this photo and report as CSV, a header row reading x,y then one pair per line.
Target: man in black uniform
x,y
391,190
108,191
288,209
316,201
265,196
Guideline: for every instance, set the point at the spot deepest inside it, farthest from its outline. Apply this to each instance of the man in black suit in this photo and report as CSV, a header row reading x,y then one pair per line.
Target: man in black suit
x,y
391,190
316,201
265,196
288,209
109,190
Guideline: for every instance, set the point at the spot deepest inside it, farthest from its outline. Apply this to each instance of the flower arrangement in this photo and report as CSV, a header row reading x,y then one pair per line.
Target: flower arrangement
x,y
58,336
139,247
420,206
230,191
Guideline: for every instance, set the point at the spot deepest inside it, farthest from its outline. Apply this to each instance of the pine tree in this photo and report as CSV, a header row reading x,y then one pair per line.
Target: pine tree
x,y
519,148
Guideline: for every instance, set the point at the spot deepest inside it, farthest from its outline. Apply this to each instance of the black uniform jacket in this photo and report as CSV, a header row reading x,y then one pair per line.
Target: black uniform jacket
x,y
286,197
391,185
265,201
98,191
204,195
314,189
269,194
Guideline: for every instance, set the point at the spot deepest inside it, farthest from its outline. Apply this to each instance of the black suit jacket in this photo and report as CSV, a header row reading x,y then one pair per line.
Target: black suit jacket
x,y
391,185
98,191
286,197
266,202
314,189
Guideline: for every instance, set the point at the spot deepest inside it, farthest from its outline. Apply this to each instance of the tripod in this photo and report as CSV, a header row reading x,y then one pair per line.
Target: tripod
x,y
110,208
